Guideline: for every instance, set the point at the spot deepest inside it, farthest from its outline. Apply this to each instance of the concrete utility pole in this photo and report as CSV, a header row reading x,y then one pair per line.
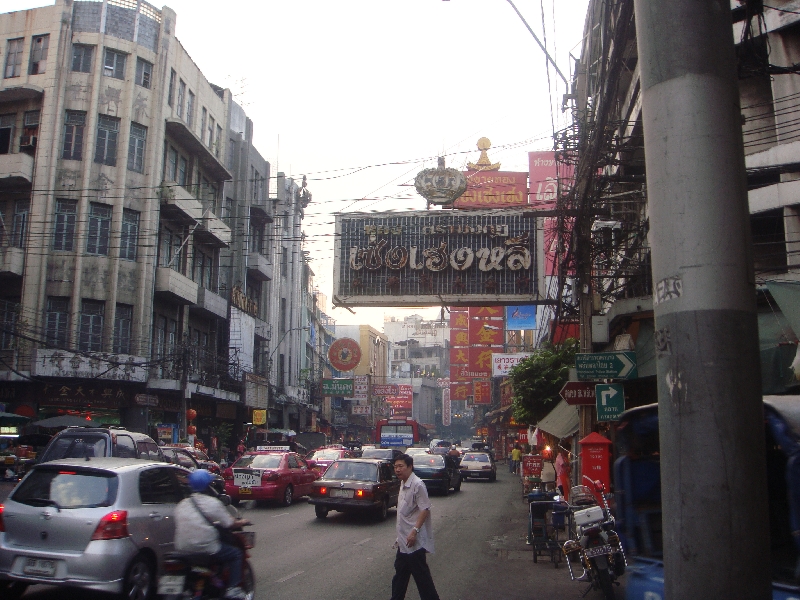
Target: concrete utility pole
x,y
713,479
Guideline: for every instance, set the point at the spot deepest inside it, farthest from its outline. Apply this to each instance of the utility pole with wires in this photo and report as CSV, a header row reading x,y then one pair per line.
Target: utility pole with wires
x,y
711,423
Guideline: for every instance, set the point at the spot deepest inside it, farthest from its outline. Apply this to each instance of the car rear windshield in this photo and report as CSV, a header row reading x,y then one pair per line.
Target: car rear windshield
x,y
259,461
376,453
429,461
65,488
76,446
325,455
352,470
476,457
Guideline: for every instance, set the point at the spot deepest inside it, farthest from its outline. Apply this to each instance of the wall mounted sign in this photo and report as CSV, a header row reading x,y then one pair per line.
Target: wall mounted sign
x,y
344,354
59,363
424,258
337,387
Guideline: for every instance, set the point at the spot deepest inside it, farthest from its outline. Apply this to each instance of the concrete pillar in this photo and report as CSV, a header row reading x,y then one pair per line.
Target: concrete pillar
x,y
713,479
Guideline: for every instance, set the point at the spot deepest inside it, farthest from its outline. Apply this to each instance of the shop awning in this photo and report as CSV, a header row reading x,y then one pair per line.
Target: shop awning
x,y
495,416
561,422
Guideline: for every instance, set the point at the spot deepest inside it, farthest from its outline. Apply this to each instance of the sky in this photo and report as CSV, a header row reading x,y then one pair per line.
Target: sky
x,y
360,95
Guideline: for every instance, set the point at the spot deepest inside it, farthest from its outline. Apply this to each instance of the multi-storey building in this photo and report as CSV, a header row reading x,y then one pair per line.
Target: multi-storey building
x,y
137,236
418,345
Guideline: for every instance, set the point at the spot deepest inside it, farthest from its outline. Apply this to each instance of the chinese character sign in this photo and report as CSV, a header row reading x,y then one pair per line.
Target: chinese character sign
x,y
482,392
446,407
486,332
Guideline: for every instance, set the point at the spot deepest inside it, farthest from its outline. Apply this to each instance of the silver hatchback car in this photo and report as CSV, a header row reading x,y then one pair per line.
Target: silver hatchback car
x,y
96,523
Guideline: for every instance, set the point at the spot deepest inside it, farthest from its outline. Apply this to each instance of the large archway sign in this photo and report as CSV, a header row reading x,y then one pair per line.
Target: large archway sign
x,y
344,354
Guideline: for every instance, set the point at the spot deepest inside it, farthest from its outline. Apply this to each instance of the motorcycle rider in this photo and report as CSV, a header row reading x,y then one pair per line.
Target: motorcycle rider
x,y
196,521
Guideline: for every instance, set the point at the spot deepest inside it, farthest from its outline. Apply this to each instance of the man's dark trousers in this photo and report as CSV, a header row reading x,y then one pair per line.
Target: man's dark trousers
x,y
406,565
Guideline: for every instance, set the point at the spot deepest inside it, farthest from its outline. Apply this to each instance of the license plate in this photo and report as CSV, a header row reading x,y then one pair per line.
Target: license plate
x,y
598,551
341,493
10,460
38,566
171,585
245,490
246,479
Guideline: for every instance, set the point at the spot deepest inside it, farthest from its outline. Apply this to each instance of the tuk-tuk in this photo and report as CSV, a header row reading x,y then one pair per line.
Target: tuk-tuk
x,y
637,494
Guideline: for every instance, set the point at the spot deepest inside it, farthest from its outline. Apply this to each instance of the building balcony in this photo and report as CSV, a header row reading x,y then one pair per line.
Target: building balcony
x,y
174,287
210,163
211,304
179,204
12,261
259,267
263,329
213,230
16,170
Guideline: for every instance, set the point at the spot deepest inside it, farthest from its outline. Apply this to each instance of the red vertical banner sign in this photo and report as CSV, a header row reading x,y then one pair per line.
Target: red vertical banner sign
x,y
486,312
459,320
480,360
485,332
482,392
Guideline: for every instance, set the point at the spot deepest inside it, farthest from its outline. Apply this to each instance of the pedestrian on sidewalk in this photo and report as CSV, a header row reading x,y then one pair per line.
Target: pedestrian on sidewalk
x,y
516,458
414,533
563,469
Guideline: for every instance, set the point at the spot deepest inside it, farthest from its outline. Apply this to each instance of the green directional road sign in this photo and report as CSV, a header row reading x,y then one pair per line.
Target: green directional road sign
x,y
338,387
610,401
606,365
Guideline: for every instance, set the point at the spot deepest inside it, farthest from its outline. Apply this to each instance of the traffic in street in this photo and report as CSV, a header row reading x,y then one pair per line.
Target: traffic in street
x,y
480,534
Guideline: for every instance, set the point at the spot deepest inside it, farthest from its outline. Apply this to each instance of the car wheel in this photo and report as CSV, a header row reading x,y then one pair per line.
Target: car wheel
x,y
288,494
321,511
12,590
139,580
383,510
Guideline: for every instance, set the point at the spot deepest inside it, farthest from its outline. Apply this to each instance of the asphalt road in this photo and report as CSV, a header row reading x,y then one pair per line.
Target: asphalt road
x,y
480,552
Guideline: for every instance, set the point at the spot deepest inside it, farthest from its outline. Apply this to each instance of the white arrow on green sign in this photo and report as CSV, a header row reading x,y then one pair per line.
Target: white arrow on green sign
x,y
606,365
610,401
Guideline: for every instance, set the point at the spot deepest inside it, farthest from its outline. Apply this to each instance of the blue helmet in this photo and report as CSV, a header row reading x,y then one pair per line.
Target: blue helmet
x,y
200,479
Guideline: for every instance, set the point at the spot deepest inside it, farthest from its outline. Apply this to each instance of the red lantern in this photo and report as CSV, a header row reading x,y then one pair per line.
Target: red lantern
x,y
191,430
191,414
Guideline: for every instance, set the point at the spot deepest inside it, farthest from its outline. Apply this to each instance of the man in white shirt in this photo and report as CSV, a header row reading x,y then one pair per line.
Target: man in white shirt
x,y
414,533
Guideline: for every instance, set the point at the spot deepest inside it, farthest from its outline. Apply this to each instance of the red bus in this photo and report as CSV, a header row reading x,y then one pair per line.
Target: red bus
x,y
399,431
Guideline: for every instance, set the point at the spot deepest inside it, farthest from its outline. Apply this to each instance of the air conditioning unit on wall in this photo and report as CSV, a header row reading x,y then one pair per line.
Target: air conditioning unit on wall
x,y
27,141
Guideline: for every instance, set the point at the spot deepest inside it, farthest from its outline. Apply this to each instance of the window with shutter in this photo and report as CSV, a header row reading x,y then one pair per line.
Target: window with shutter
x,y
99,229
14,58
130,234
123,319
73,135
91,333
136,147
64,232
56,321
38,59
82,58
106,147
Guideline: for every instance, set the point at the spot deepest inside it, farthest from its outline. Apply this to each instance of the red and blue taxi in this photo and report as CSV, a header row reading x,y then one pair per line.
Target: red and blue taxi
x,y
270,473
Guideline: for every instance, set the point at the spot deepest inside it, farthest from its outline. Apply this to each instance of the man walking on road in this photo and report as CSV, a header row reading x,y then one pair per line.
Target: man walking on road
x,y
414,533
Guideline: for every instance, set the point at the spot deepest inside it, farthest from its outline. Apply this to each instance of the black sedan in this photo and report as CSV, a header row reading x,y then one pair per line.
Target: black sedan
x,y
356,485
439,473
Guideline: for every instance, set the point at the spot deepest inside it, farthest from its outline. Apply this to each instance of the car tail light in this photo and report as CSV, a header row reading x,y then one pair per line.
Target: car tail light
x,y
113,526
173,566
2,527
438,475
322,491
489,467
269,476
228,474
363,493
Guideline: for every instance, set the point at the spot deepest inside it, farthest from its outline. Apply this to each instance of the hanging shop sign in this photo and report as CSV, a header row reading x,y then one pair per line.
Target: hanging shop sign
x,y
385,389
480,360
459,320
482,392
485,331
361,389
486,312
344,354
401,404
337,387
361,410
459,356
447,405
543,173
259,417
433,257
503,363
460,391
494,189
117,367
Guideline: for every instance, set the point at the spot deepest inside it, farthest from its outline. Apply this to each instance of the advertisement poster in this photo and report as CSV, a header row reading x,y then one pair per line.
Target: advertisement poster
x,y
401,403
521,317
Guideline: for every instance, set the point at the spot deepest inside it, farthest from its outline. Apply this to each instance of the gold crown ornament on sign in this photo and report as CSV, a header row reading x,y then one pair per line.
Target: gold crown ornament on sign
x,y
441,185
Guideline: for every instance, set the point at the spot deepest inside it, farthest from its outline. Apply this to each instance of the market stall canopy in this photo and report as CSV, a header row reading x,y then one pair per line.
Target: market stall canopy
x,y
66,421
562,421
11,419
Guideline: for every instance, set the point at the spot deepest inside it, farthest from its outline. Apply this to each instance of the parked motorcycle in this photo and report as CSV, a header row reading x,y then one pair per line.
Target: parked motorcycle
x,y
191,575
595,545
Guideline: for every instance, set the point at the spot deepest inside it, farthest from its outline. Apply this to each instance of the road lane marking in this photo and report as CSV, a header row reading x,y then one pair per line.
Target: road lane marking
x,y
289,576
278,515
364,541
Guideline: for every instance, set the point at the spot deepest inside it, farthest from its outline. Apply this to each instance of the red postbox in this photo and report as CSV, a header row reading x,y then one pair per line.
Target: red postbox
x,y
595,451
